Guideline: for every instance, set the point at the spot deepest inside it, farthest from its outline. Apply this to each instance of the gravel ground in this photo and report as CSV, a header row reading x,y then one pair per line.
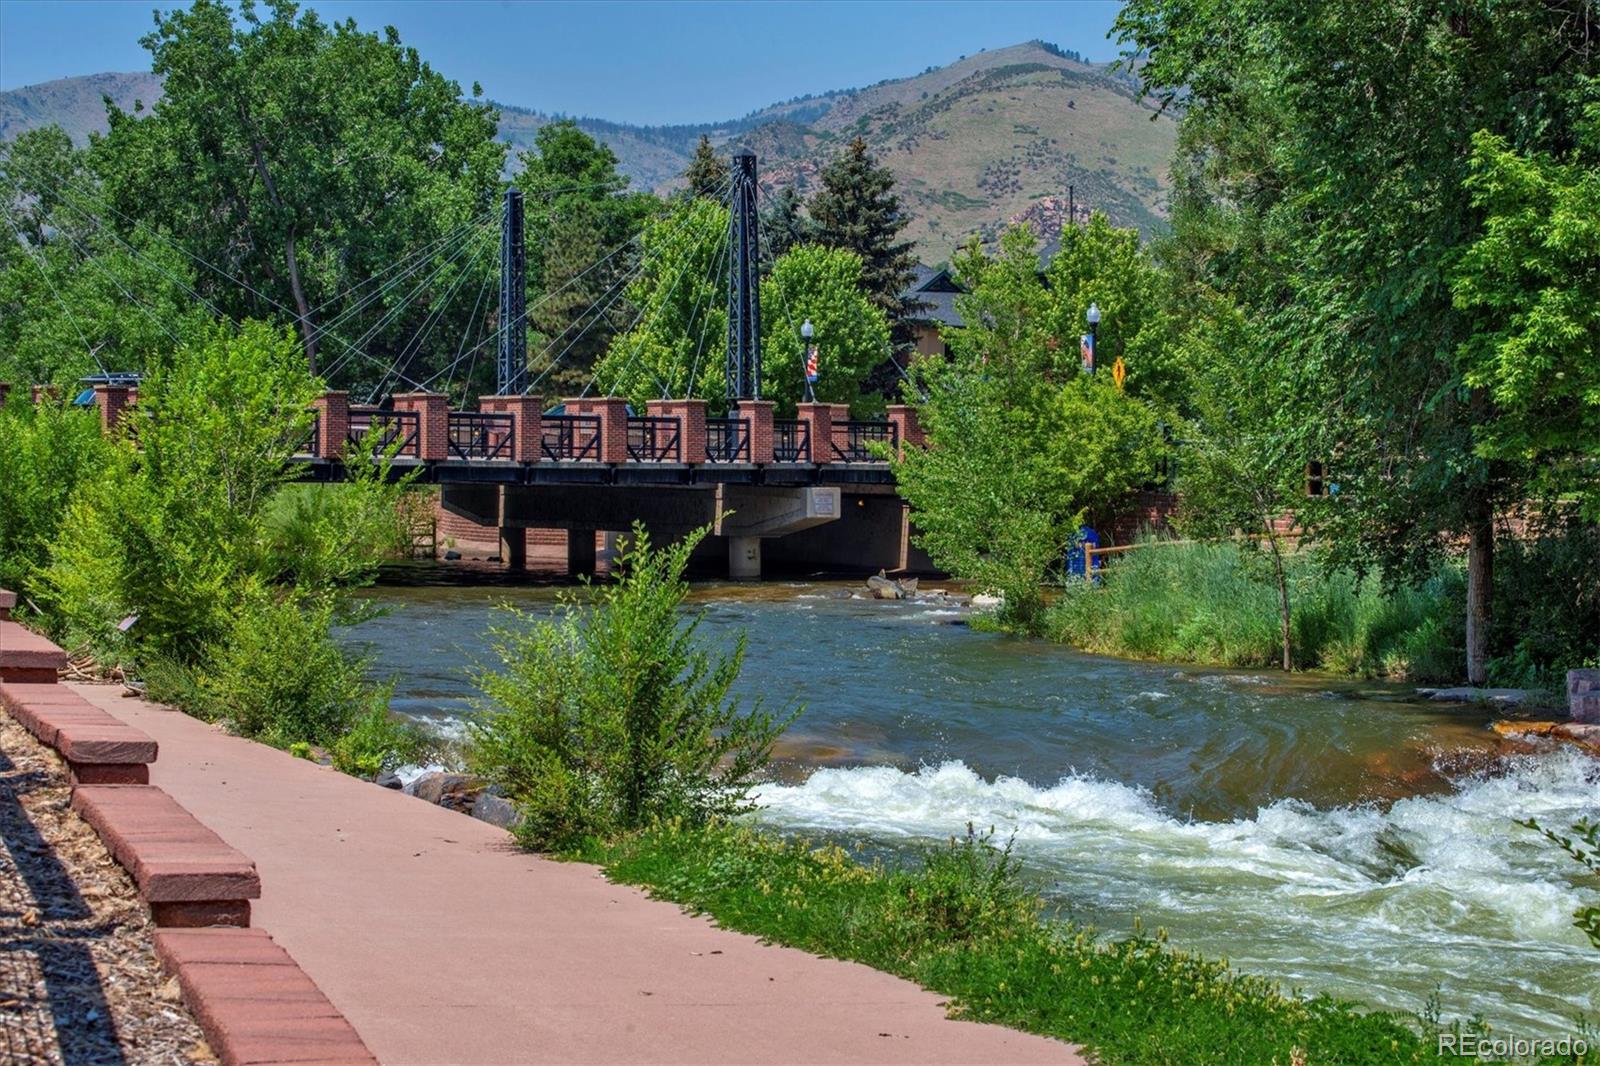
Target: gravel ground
x,y
79,980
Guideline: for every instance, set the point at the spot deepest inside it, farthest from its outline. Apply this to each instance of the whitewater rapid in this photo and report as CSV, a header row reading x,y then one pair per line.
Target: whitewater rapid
x,y
1381,905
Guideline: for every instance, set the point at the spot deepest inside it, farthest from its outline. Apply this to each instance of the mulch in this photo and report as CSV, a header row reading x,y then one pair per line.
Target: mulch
x,y
79,979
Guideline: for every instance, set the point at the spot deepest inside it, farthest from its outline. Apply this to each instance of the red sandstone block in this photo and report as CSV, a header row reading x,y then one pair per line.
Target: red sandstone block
x,y
238,947
253,1002
45,720
23,650
171,860
182,914
29,675
17,694
98,773
111,741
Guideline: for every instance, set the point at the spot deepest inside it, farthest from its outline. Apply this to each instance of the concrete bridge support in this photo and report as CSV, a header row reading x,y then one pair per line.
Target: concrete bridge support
x,y
581,556
790,527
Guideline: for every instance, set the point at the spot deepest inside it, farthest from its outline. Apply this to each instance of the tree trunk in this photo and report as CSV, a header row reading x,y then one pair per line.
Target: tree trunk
x,y
301,306
1283,602
1480,584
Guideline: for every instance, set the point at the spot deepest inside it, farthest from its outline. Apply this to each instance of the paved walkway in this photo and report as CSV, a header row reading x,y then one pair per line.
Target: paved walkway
x,y
441,943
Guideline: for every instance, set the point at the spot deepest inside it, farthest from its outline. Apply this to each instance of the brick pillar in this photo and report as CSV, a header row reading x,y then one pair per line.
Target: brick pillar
x,y
819,416
433,411
526,431
907,428
333,423
45,393
112,400
691,416
759,414
613,412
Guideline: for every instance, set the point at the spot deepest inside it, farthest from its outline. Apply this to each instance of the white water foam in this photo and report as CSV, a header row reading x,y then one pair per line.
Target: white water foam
x,y
1371,904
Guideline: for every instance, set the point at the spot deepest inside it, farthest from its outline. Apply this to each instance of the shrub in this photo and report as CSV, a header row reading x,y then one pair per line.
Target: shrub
x,y
47,450
380,740
614,713
279,676
1202,603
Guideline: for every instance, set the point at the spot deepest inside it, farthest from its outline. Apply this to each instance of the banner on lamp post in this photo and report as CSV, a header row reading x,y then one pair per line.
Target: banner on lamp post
x,y
1087,349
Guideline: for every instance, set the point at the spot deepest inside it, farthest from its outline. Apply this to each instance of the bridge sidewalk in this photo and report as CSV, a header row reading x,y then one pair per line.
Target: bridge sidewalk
x,y
441,943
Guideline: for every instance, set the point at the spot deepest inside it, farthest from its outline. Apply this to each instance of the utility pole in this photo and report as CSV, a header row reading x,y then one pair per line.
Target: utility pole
x,y
513,360
744,284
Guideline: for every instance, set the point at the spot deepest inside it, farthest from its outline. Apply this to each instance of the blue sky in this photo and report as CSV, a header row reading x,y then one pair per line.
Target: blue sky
x,y
659,62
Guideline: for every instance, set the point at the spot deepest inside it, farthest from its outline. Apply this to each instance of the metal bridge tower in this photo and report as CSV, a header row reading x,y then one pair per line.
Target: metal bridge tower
x,y
513,360
744,284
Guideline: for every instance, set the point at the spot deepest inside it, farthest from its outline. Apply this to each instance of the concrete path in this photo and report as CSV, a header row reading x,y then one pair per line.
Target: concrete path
x,y
443,944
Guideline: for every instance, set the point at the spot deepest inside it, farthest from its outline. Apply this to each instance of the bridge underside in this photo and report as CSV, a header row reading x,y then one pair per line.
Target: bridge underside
x,y
754,527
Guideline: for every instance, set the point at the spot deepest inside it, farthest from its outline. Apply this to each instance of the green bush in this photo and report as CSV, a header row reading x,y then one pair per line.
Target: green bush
x,y
47,450
1206,603
279,676
380,740
614,713
1546,602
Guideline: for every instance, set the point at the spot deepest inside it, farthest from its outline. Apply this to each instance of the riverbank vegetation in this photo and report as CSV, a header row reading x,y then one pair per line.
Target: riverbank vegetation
x,y
177,552
1373,324
963,922
1217,604
613,714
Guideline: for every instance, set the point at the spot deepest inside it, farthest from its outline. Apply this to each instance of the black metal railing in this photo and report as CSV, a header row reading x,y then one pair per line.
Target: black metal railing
x,y
481,435
572,437
397,431
654,439
791,441
311,444
851,440
728,440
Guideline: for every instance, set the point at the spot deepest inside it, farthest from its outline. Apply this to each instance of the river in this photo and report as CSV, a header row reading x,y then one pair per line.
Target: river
x,y
1338,836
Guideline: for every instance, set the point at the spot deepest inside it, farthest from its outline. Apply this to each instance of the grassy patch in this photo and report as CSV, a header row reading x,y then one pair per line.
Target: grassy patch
x,y
964,925
1214,604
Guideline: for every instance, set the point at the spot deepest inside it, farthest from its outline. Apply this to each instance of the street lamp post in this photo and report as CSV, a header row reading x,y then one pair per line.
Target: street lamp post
x,y
1093,316
807,331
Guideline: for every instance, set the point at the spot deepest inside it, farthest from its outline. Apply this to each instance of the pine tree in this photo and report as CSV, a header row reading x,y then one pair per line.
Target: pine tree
x,y
707,174
857,209
783,226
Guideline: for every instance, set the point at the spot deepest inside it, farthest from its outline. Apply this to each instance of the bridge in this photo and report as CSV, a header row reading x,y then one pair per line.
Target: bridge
x,y
817,489
814,491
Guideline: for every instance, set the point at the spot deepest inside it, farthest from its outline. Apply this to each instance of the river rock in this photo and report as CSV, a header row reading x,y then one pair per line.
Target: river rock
x,y
1583,695
388,779
496,810
452,555
1507,697
456,791
884,588
983,600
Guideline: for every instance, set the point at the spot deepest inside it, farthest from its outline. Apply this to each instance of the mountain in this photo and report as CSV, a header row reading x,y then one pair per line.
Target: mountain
x,y
74,104
994,137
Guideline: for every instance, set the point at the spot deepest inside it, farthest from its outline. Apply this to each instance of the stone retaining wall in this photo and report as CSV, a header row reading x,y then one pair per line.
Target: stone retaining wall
x,y
253,1002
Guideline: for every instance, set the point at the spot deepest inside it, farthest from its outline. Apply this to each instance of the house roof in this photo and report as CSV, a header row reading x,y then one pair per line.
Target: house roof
x,y
937,291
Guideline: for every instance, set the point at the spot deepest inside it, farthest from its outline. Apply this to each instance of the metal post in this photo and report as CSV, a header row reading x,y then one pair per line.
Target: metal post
x,y
513,361
744,284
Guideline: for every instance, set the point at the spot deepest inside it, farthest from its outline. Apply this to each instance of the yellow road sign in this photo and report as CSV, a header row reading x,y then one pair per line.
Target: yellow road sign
x,y
1119,372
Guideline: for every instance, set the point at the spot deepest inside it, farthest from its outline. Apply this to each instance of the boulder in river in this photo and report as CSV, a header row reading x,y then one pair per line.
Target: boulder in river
x,y
1583,695
456,791
884,588
496,810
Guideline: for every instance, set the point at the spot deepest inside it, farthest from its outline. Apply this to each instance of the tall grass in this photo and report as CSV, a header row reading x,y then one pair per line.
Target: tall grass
x,y
1216,604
